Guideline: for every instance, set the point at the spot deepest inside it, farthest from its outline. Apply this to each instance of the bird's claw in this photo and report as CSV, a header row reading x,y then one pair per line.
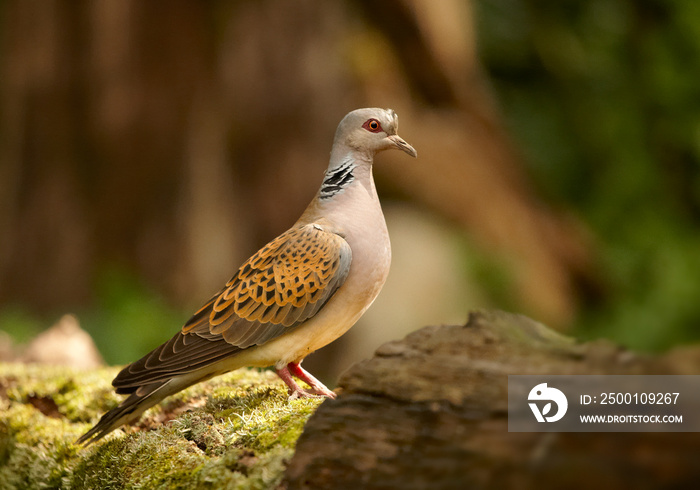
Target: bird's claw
x,y
318,389
302,393
299,394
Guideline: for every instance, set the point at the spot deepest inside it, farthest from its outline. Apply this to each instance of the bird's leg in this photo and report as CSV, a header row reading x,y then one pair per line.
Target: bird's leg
x,y
317,387
296,391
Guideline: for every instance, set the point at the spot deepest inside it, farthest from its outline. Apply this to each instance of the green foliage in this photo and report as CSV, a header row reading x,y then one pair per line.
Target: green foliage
x,y
128,319
604,98
21,324
234,431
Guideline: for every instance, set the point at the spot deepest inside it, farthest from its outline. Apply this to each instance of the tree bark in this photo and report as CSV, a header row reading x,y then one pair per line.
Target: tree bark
x,y
430,411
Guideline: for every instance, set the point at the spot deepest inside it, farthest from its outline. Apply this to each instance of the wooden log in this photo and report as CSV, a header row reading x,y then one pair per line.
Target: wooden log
x,y
430,411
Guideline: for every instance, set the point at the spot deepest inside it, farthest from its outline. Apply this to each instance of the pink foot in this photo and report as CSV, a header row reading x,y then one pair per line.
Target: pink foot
x,y
296,391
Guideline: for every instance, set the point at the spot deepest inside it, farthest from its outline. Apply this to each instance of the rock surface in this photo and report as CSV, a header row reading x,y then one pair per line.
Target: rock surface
x,y
64,344
430,411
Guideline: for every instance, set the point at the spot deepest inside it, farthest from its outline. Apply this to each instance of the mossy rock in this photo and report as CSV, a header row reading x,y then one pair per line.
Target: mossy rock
x,y
234,431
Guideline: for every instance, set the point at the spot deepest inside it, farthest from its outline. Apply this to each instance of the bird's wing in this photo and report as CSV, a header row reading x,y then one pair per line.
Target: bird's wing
x,y
285,283
282,285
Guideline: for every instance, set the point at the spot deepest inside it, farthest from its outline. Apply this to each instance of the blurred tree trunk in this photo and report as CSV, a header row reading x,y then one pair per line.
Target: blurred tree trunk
x,y
175,137
45,248
475,174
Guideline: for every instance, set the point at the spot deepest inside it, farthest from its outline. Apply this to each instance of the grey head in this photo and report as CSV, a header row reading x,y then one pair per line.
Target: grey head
x,y
370,131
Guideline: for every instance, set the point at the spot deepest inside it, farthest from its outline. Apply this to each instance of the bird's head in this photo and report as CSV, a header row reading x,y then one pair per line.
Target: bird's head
x,y
371,130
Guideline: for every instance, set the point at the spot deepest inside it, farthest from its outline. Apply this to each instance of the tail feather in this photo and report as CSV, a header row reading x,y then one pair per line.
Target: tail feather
x,y
181,362
181,355
130,409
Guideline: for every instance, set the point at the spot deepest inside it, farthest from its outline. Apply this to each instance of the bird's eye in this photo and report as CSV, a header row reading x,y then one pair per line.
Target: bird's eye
x,y
372,125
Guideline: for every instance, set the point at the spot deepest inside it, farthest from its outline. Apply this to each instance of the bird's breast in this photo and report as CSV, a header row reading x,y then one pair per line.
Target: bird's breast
x,y
360,221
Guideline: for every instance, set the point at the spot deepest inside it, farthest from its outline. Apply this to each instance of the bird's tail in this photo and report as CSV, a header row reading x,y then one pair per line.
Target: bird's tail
x,y
130,409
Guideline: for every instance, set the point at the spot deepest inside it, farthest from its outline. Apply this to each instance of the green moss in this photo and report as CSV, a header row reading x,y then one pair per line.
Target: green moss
x,y
235,431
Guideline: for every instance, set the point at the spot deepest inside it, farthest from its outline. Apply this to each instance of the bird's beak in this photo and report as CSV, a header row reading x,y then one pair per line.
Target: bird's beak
x,y
402,145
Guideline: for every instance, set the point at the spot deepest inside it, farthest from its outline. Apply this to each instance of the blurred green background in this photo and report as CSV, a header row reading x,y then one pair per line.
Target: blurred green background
x,y
148,148
604,99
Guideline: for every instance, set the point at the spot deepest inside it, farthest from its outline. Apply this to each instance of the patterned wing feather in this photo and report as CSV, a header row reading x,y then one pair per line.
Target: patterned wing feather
x,y
287,282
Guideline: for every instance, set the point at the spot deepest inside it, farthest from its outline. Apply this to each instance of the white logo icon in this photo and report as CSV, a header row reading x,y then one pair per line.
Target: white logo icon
x,y
542,392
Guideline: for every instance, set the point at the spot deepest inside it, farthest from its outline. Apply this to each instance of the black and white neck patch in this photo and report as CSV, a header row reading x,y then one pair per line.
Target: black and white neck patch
x,y
338,179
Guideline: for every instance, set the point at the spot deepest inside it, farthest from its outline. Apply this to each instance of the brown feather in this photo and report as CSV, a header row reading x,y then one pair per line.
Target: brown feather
x,y
287,282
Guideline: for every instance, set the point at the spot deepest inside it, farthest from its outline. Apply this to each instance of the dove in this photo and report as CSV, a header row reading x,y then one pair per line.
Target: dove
x,y
298,293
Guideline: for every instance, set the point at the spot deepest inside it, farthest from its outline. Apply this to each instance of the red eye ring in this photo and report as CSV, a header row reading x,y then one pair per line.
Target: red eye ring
x,y
372,125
